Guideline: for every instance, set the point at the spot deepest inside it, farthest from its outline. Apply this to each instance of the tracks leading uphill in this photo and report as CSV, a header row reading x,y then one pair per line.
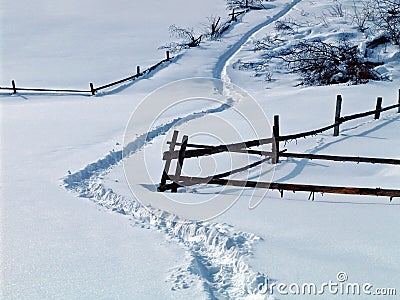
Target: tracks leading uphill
x,y
215,252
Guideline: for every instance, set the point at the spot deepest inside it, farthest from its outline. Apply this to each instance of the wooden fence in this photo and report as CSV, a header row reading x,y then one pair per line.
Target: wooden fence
x,y
92,90
188,150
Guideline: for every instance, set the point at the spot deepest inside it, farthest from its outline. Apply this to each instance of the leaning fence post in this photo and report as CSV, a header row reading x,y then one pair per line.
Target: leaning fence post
x,y
92,90
164,175
378,108
13,86
337,115
167,53
275,142
179,164
138,70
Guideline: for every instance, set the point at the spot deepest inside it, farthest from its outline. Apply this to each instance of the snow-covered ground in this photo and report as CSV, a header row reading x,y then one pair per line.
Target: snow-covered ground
x,y
57,245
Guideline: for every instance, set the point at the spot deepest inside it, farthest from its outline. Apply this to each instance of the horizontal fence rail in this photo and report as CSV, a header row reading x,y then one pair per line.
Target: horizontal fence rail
x,y
92,90
392,193
44,90
356,159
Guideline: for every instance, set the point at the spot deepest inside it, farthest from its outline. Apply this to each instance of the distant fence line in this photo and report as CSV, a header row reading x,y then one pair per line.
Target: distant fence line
x,y
93,90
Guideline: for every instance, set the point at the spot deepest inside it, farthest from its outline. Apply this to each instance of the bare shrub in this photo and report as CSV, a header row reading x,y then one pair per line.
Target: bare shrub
x,y
362,13
186,35
234,4
322,63
213,27
288,26
387,18
260,68
337,10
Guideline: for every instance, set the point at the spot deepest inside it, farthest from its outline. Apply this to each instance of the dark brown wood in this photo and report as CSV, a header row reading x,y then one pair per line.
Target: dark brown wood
x,y
13,86
92,90
213,150
116,83
241,169
179,164
138,70
337,115
167,165
130,78
398,110
275,144
378,108
254,143
167,54
184,180
43,90
365,114
356,159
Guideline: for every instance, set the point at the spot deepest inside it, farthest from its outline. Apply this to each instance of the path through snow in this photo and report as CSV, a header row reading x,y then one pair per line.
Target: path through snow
x,y
216,252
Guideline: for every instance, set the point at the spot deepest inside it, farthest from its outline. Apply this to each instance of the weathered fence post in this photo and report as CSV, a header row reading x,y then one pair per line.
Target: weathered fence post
x,y
378,108
398,110
339,101
247,3
167,53
275,142
92,90
179,165
138,70
233,14
164,175
13,86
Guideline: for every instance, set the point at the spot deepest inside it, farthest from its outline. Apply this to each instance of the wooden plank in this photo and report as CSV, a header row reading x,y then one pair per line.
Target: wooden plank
x,y
44,90
275,144
367,113
13,86
167,165
116,82
238,170
179,165
337,115
398,110
378,108
356,159
92,90
294,187
213,150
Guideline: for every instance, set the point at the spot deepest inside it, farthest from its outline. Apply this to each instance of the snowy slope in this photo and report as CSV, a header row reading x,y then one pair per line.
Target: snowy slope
x,y
55,245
